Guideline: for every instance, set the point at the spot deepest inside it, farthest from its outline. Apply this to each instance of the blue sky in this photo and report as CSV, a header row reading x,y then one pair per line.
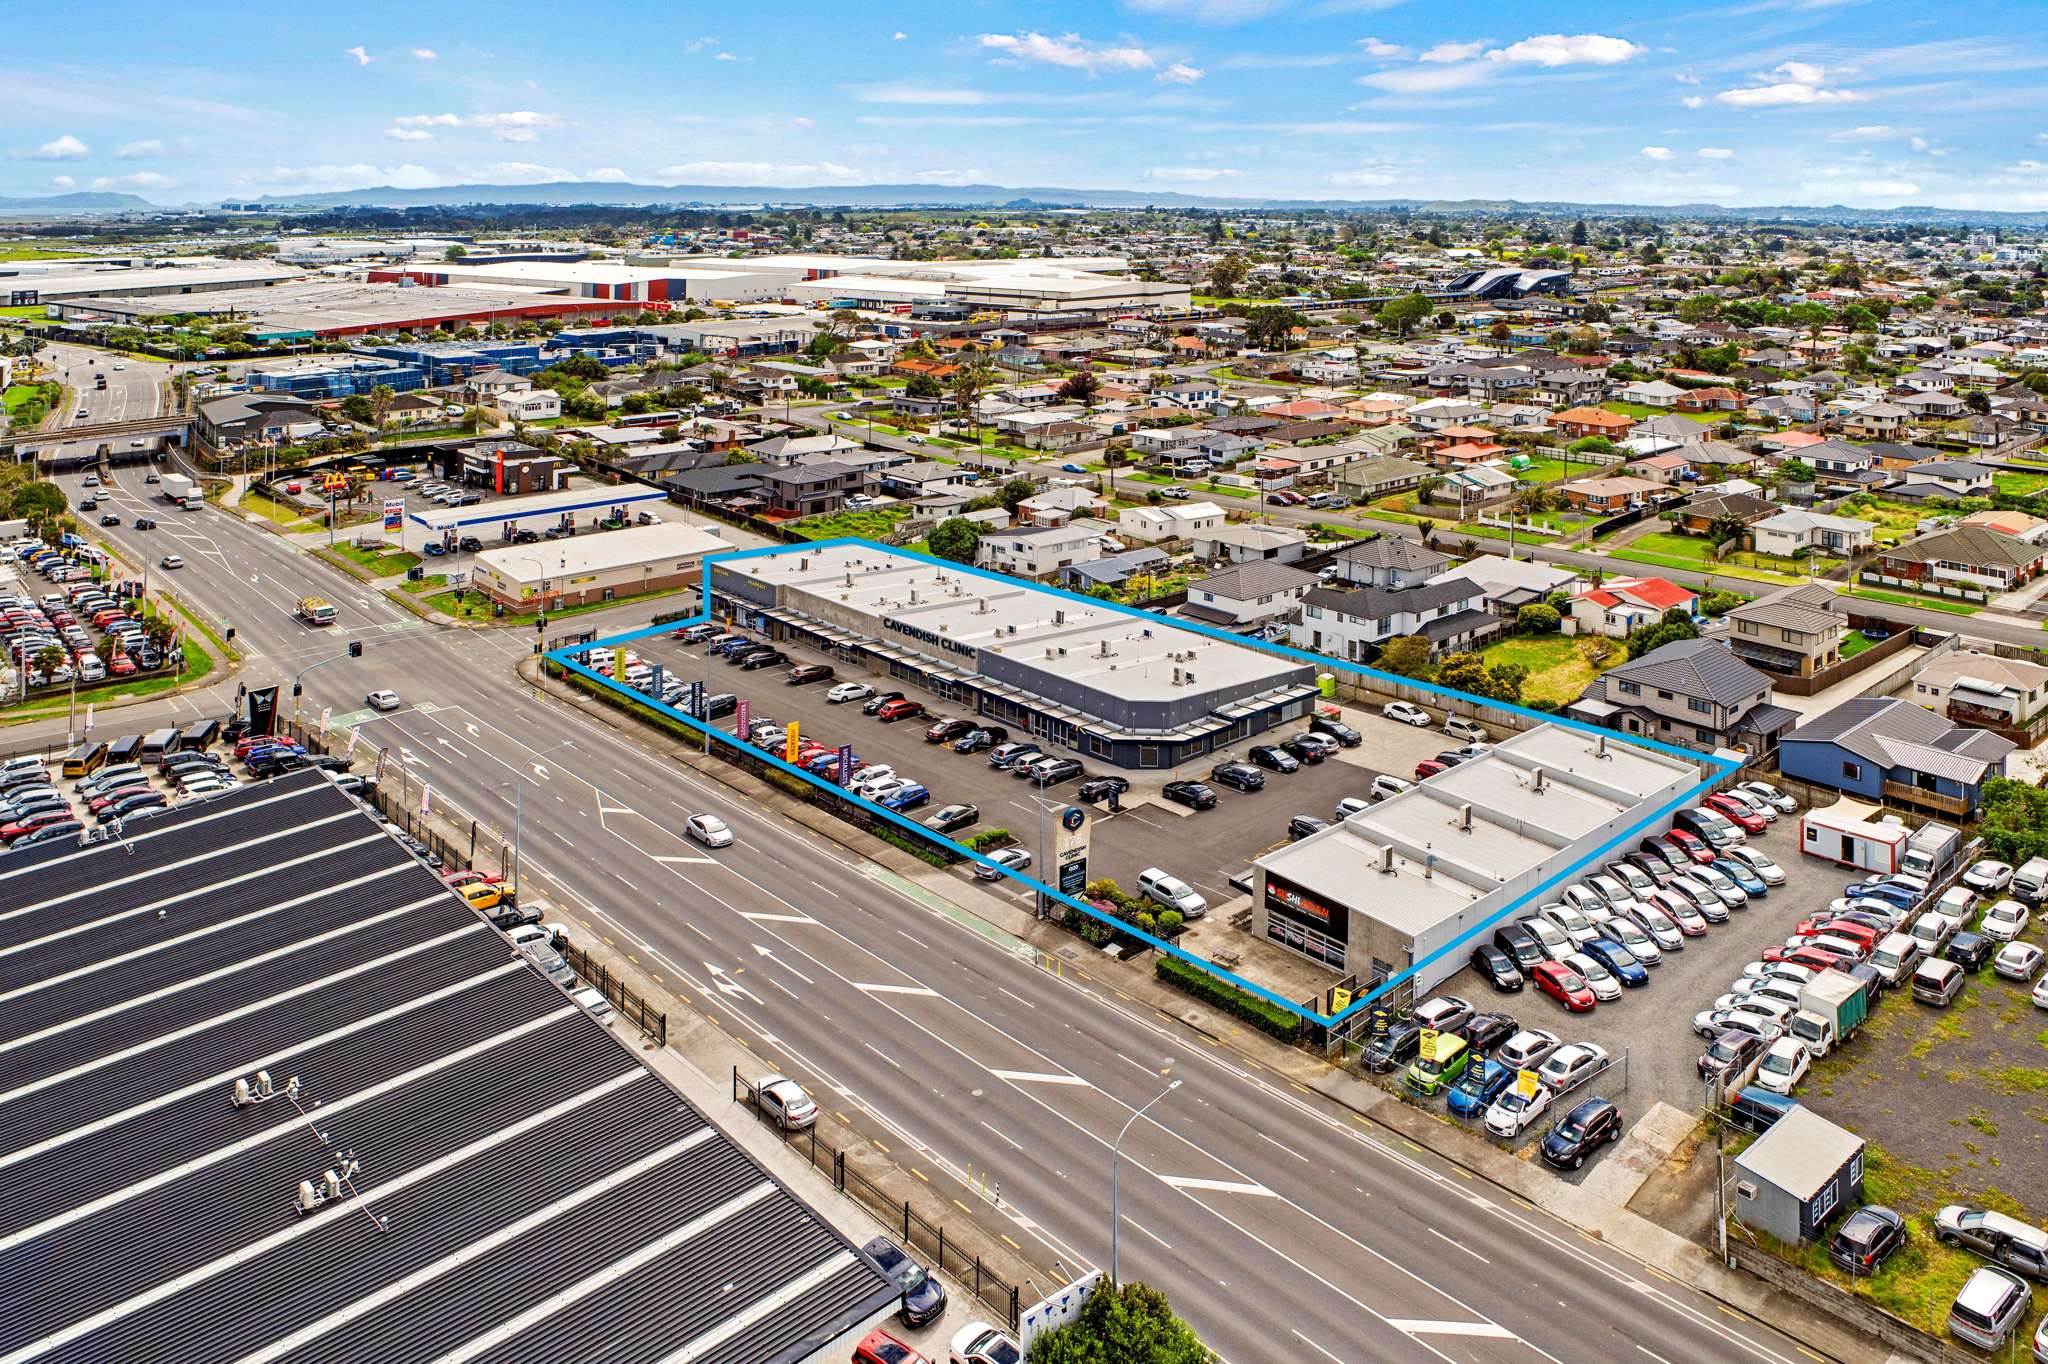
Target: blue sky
x,y
1863,102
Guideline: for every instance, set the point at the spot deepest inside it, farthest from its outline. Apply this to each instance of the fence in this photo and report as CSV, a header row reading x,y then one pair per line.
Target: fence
x,y
1923,587
636,1010
1824,678
917,1231
1852,1309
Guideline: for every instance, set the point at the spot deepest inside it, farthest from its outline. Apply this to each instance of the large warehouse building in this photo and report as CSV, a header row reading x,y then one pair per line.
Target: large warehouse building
x,y
594,568
1130,690
1380,892
162,282
318,308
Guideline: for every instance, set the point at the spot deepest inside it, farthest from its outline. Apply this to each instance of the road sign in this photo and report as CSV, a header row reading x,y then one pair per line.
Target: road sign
x,y
1526,1082
1340,999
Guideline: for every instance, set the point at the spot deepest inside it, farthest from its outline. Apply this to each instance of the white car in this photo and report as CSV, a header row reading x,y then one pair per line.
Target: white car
x,y
784,1101
849,691
709,830
1784,1065
981,1343
1988,877
1785,804
1631,936
1767,871
1750,988
1006,859
870,776
2040,995
2004,921
1570,1064
1407,713
383,700
1652,920
1510,1114
1577,930
2017,961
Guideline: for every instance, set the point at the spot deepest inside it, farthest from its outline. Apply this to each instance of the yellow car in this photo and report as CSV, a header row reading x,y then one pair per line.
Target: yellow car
x,y
485,894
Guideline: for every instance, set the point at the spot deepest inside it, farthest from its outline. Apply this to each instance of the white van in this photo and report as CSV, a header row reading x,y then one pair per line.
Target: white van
x,y
1896,956
1385,786
1171,892
2030,882
1458,727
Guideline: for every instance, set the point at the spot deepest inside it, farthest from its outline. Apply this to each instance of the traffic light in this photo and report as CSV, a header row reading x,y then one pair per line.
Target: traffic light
x,y
355,648
231,634
540,623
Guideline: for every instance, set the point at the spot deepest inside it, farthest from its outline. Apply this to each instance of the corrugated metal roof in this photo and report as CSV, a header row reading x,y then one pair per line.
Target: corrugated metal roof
x,y
527,1189
1695,667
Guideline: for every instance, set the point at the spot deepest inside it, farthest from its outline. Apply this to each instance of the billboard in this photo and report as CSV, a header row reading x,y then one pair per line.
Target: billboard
x,y
394,513
262,704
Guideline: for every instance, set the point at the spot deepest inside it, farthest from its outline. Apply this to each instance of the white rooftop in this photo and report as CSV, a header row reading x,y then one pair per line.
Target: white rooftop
x,y
656,544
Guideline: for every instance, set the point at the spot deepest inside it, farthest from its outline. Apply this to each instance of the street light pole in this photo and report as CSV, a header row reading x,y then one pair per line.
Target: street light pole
x,y
354,650
1114,1153
519,806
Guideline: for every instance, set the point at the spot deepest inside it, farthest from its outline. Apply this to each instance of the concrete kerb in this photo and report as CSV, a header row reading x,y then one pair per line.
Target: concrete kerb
x,y
1664,1251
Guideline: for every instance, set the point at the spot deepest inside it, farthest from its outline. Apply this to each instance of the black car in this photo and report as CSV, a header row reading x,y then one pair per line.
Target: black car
x,y
145,523
1969,950
1484,1032
1274,759
1301,826
1497,968
874,703
924,1298
947,818
945,731
719,704
469,544
1729,1053
1310,753
128,805
1390,1052
1238,776
1520,946
1335,729
1866,1239
525,537
762,659
1193,794
974,741
109,519
809,672
506,917
1102,788
1591,1124
1451,757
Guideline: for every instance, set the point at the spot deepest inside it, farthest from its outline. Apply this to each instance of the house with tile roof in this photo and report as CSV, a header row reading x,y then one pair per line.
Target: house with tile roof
x,y
1691,693
1593,421
2007,695
1793,632
1885,748
1247,593
1619,607
1388,561
1795,534
1354,623
1961,558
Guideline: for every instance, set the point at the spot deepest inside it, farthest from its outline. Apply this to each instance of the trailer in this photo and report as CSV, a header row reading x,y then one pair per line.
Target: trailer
x,y
177,487
1850,833
1831,1006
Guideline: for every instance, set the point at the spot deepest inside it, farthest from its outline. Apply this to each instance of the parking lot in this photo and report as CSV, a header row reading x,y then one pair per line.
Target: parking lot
x,y
1204,848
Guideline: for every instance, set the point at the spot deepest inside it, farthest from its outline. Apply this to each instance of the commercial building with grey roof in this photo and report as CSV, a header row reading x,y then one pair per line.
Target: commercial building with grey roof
x,y
519,1185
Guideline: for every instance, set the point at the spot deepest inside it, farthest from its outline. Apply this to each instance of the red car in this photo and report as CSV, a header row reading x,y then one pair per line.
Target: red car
x,y
120,665
1429,769
22,828
1564,985
1690,846
899,710
1862,934
1815,958
1736,813
879,1347
119,793
250,742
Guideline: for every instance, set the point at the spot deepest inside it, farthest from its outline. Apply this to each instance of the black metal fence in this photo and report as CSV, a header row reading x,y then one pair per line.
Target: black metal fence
x,y
915,1230
644,1016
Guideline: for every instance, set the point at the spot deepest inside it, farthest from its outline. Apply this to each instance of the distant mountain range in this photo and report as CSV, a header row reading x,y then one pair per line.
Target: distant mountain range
x,y
577,192
81,202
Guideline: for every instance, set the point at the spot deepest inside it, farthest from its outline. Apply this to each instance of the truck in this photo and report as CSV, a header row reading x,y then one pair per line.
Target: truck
x,y
1932,851
315,610
1850,833
1832,1006
177,487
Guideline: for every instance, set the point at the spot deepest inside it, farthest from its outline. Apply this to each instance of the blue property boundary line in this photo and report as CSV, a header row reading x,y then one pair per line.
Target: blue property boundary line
x,y
1722,767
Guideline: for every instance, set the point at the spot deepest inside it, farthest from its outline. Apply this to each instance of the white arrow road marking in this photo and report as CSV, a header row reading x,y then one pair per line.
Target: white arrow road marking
x,y
762,918
540,770
1453,1328
411,757
450,747
727,985
895,989
1038,1077
1224,1186
770,954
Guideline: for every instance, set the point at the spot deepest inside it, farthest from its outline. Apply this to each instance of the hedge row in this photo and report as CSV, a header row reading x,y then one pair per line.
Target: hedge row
x,y
1262,1014
636,709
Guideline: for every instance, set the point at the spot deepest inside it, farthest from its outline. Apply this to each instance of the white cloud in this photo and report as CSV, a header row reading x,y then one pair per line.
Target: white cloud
x,y
609,175
1363,179
908,92
1870,132
1453,52
139,180
757,173
692,46
1656,153
1426,80
425,54
1788,83
518,125
1188,175
898,36
428,121
409,134
1181,73
63,147
1069,50
63,182
946,177
135,151
1851,183
1561,49
362,57
1694,102
1381,49
725,57
354,175
1717,153
2029,166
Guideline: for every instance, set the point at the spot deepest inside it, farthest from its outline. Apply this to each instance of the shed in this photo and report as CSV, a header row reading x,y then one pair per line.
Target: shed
x,y
1797,1176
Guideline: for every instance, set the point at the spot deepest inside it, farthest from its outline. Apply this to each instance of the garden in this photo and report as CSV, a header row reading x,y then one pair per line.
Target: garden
x,y
1560,667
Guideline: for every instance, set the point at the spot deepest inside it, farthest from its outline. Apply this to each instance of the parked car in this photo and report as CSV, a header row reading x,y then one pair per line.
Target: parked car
x,y
1528,1049
1301,826
2017,961
1512,1113
1005,756
924,1297
1335,729
1483,1081
980,1343
1192,794
878,700
1496,968
1988,877
804,673
1729,1053
1102,788
945,731
2019,1246
899,709
2004,921
1866,1239
947,818
1273,758
1005,860
1238,776
1407,713
1785,1064
849,691
785,1102
1590,1124
1393,1049
1990,1307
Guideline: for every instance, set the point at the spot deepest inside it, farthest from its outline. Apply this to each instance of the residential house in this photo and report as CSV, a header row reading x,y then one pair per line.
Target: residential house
x,y
1885,748
1609,495
1578,422
1114,570
1477,485
1714,398
1037,552
2008,695
1794,631
810,489
1717,459
1370,478
786,450
1244,544
1619,607
1955,478
1878,421
1354,623
1670,470
922,479
1698,516
528,404
1651,393
238,419
1247,593
2014,523
1197,392
1795,534
1511,584
1692,693
1183,521
1388,561
1682,431
1057,506
1933,407
1162,440
1973,558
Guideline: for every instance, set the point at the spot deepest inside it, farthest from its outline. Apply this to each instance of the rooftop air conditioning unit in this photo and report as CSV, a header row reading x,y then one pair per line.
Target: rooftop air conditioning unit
x,y
1386,858
1465,816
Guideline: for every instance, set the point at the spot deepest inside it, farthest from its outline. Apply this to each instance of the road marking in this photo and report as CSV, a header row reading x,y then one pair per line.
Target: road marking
x,y
1216,1185
1019,998
896,989
1449,1242
1038,1077
883,1054
1313,1346
778,918
1453,1328
1139,1226
1662,1360
1283,1146
1729,1311
682,861
999,1132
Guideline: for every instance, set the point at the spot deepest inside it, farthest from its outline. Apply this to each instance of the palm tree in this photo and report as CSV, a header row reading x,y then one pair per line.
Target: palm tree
x,y
969,381
49,659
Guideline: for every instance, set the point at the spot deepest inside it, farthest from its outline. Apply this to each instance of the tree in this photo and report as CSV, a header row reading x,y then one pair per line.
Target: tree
x,y
455,252
1795,471
1978,401
37,502
1403,315
923,386
1579,237
1500,332
1013,493
1699,308
1269,327
955,539
1405,656
1080,387
1675,626
968,383
1128,1323
356,407
1537,619
1227,274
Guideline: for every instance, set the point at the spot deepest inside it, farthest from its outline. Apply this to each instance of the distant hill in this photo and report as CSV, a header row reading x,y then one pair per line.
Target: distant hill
x,y
558,194
82,202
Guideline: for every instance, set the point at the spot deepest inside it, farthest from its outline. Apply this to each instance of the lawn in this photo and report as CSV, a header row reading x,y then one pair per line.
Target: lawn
x,y
472,606
377,565
2019,485
1954,608
1724,569
1669,545
1894,520
1642,411
198,663
1559,668
276,512
877,524
1551,470
28,404
1450,532
1854,643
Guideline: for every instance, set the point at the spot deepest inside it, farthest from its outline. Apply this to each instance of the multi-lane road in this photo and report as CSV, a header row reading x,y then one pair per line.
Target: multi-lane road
x,y
1284,1227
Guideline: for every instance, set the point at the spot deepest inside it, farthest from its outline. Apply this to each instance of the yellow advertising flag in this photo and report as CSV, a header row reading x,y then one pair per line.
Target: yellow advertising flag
x,y
1428,1044
1340,999
1526,1082
789,750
